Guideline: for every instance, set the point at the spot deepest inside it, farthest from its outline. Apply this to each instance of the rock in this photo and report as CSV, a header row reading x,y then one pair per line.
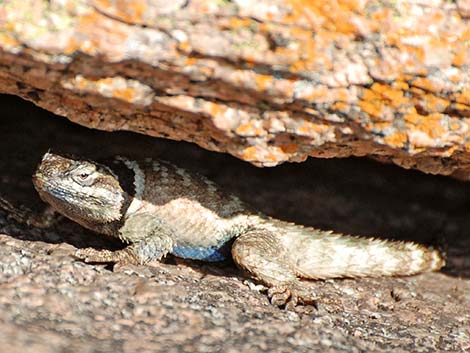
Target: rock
x,y
50,302
266,81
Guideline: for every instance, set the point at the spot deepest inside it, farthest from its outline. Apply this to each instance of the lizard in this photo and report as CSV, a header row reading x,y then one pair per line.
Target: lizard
x,y
158,208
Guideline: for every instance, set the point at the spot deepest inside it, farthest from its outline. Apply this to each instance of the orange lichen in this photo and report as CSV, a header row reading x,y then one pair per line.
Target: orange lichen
x,y
7,40
461,107
134,10
334,16
72,46
380,15
426,84
369,95
285,52
185,46
237,23
249,129
330,21
373,108
397,139
272,157
455,78
10,27
433,103
418,92
81,83
376,126
464,96
249,153
393,96
341,106
310,129
191,61
104,3
263,81
454,126
125,10
114,87
342,94
305,129
450,151
126,94
401,85
429,124
89,20
460,57
215,109
379,97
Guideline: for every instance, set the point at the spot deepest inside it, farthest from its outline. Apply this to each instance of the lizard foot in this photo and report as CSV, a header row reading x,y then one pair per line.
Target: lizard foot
x,y
92,255
289,295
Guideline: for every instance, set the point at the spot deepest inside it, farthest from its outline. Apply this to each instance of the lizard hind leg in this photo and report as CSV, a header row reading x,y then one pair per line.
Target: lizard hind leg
x,y
260,253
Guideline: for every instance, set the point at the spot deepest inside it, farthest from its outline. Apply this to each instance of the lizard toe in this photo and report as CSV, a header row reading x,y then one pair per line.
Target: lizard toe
x,y
124,256
280,295
92,255
290,295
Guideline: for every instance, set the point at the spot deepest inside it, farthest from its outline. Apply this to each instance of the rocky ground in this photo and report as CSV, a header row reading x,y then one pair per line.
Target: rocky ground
x,y
49,302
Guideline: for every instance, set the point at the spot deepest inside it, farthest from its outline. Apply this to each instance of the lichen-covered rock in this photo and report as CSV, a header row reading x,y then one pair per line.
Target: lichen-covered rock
x,y
267,81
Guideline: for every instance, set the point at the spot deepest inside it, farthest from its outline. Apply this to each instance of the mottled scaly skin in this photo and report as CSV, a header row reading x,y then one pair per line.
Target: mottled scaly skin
x,y
158,209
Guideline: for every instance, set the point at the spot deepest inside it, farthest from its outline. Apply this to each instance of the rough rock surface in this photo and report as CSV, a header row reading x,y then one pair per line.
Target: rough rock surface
x,y
267,81
50,302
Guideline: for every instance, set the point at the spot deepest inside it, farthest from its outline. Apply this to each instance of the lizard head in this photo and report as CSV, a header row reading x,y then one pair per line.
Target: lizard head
x,y
86,192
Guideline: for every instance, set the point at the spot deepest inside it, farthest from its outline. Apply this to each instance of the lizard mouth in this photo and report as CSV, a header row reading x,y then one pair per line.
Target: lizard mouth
x,y
47,171
44,188
41,187
38,182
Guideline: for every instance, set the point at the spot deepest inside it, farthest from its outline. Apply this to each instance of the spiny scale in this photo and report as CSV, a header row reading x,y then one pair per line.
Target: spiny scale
x,y
158,208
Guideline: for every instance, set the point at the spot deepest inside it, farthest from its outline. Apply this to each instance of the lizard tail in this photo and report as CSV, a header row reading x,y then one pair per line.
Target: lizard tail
x,y
319,255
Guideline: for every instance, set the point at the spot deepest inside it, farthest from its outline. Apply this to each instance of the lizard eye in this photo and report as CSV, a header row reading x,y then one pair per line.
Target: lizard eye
x,y
84,177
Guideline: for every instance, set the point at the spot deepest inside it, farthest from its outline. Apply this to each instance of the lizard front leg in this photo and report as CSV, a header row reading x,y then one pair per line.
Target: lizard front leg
x,y
264,257
138,253
149,239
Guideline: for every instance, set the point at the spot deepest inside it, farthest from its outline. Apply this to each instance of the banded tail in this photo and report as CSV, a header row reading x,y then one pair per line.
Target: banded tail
x,y
319,255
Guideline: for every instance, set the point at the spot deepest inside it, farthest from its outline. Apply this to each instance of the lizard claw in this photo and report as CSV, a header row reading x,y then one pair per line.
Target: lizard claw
x,y
84,254
281,295
290,295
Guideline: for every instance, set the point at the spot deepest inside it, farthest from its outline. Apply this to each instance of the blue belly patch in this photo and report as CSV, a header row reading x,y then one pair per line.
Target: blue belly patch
x,y
212,253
